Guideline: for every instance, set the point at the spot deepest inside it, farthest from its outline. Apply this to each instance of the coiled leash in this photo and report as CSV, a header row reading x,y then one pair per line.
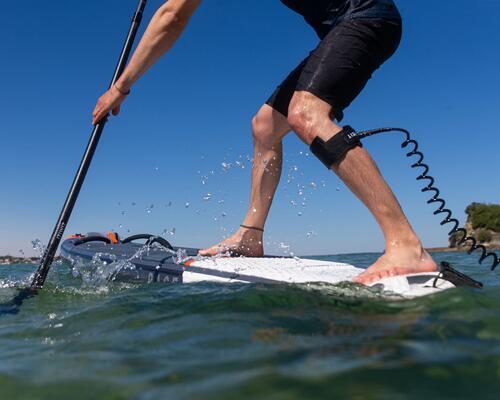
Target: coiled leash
x,y
333,150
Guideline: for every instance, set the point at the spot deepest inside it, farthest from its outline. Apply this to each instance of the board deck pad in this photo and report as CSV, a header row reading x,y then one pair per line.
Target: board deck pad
x,y
275,270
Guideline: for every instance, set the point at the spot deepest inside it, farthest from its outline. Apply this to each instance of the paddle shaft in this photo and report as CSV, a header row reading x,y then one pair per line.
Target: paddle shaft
x,y
62,222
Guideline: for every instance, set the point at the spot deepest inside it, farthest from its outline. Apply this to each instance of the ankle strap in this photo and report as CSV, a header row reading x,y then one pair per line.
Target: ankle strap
x,y
252,227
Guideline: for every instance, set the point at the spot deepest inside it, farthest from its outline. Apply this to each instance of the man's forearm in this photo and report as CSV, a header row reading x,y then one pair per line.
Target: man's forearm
x,y
162,32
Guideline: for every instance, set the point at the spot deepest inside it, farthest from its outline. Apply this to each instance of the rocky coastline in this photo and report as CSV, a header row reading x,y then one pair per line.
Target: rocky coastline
x,y
483,224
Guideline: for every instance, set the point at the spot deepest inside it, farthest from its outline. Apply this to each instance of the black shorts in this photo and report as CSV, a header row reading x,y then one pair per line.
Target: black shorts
x,y
339,68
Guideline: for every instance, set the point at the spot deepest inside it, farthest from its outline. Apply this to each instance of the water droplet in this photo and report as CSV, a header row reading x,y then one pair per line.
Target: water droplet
x,y
254,210
221,202
224,215
299,213
310,234
338,189
167,232
226,166
169,204
207,197
293,203
313,185
187,205
323,184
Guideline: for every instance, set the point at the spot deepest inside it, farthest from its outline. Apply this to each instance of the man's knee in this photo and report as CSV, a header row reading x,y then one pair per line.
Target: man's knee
x,y
263,130
301,122
308,115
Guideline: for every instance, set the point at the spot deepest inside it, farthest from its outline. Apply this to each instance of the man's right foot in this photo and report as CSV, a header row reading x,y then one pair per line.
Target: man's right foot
x,y
245,242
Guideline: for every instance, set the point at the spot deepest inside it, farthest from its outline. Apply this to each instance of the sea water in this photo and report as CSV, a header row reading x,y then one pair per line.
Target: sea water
x,y
239,341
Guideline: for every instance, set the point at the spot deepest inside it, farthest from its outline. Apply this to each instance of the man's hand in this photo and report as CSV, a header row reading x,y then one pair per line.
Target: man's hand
x,y
109,101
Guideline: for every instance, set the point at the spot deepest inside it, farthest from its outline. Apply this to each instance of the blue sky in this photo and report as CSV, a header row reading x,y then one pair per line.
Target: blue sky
x,y
192,112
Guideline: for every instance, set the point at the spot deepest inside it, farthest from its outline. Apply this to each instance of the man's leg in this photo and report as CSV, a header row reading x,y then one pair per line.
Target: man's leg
x,y
309,117
268,128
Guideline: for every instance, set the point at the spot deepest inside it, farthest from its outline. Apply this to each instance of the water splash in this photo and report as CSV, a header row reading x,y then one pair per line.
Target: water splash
x,y
38,246
181,256
104,268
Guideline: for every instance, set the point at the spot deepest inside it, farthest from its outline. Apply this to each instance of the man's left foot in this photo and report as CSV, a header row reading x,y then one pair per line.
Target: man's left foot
x,y
402,261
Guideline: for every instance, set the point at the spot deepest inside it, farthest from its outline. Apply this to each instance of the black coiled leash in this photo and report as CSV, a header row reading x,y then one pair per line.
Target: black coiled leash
x,y
424,176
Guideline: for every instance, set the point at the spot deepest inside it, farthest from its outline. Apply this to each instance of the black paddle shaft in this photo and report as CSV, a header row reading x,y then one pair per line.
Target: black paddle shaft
x,y
49,254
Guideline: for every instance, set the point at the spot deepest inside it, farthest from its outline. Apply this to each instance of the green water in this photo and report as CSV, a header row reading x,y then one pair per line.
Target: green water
x,y
212,341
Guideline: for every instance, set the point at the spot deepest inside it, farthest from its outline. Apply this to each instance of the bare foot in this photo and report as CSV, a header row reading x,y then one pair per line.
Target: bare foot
x,y
401,261
245,242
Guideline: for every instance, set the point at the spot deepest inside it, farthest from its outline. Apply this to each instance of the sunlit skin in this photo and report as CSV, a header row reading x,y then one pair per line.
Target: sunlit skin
x,y
308,117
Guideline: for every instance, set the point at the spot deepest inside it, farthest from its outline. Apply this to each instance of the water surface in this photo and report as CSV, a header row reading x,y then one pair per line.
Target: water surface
x,y
213,341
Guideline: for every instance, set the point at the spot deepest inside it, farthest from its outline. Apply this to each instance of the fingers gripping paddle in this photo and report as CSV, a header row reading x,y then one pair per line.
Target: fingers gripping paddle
x,y
48,257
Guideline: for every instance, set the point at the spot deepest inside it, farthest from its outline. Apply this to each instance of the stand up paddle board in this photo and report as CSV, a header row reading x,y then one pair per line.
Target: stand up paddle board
x,y
157,261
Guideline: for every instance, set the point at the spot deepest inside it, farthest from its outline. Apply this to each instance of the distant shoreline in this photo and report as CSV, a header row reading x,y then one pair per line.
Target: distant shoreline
x,y
445,250
456,249
8,260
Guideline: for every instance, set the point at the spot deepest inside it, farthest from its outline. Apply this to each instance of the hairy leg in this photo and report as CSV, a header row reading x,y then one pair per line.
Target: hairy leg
x,y
309,117
268,128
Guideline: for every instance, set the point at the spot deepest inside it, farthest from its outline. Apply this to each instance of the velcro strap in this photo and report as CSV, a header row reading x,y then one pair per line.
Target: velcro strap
x,y
333,150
